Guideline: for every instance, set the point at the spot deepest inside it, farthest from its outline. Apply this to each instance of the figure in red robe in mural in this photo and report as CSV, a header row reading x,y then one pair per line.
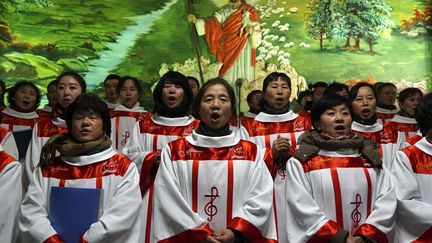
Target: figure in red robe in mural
x,y
233,34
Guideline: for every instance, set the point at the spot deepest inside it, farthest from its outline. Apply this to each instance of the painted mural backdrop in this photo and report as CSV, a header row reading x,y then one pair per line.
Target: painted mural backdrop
x,y
315,40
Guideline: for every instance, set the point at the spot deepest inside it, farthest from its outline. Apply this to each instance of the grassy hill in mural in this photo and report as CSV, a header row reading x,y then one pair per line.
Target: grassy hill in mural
x,y
46,41
395,58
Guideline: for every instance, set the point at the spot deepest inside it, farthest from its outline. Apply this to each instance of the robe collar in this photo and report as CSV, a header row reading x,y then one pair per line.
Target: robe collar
x,y
89,159
200,140
403,119
264,117
385,111
23,115
172,121
136,108
378,126
424,146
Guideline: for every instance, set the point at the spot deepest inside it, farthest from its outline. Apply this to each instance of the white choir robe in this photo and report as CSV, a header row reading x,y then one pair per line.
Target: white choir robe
x,y
11,196
122,121
17,121
208,184
111,106
42,131
263,131
149,136
385,114
332,190
7,141
412,176
389,140
120,200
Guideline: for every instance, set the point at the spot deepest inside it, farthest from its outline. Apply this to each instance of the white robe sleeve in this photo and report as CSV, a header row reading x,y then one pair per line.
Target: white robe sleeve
x,y
118,222
414,216
304,218
9,145
11,194
172,214
32,157
33,222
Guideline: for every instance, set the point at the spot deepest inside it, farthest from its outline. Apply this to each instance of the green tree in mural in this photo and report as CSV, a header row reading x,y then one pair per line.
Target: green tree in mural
x,y
361,19
318,21
7,5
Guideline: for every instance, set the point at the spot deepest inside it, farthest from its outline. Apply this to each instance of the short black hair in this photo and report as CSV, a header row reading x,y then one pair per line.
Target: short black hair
x,y
380,86
408,92
52,83
273,77
325,103
111,76
194,79
355,89
423,114
304,93
77,77
12,91
85,103
335,87
122,82
319,84
211,82
251,94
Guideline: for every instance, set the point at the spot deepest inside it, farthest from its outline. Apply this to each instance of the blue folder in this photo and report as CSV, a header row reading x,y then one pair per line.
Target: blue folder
x,y
72,211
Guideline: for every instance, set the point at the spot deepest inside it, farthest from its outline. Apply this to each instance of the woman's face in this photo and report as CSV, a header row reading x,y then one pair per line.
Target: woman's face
x,y
172,95
25,97
216,107
68,88
52,95
87,126
336,121
129,94
110,90
364,103
409,105
277,94
194,87
387,95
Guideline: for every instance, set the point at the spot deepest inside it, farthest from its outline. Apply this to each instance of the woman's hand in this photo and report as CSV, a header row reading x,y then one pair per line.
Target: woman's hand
x,y
227,236
281,149
209,239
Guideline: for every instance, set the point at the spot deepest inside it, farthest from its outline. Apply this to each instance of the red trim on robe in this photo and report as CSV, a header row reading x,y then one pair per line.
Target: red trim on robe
x,y
325,233
425,237
249,230
16,121
116,165
148,172
337,195
117,127
421,163
5,159
300,124
82,240
149,215
230,184
181,149
372,232
195,168
191,235
384,116
319,162
53,239
46,128
414,139
369,191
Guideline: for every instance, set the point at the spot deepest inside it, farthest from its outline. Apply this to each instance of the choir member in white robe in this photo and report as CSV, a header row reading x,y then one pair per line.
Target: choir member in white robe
x,y
405,122
172,99
11,196
213,186
24,97
86,160
336,188
7,141
277,128
412,174
52,97
127,112
110,87
386,94
363,101
69,86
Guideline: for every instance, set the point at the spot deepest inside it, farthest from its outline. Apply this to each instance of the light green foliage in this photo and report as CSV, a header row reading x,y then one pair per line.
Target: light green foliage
x,y
318,21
